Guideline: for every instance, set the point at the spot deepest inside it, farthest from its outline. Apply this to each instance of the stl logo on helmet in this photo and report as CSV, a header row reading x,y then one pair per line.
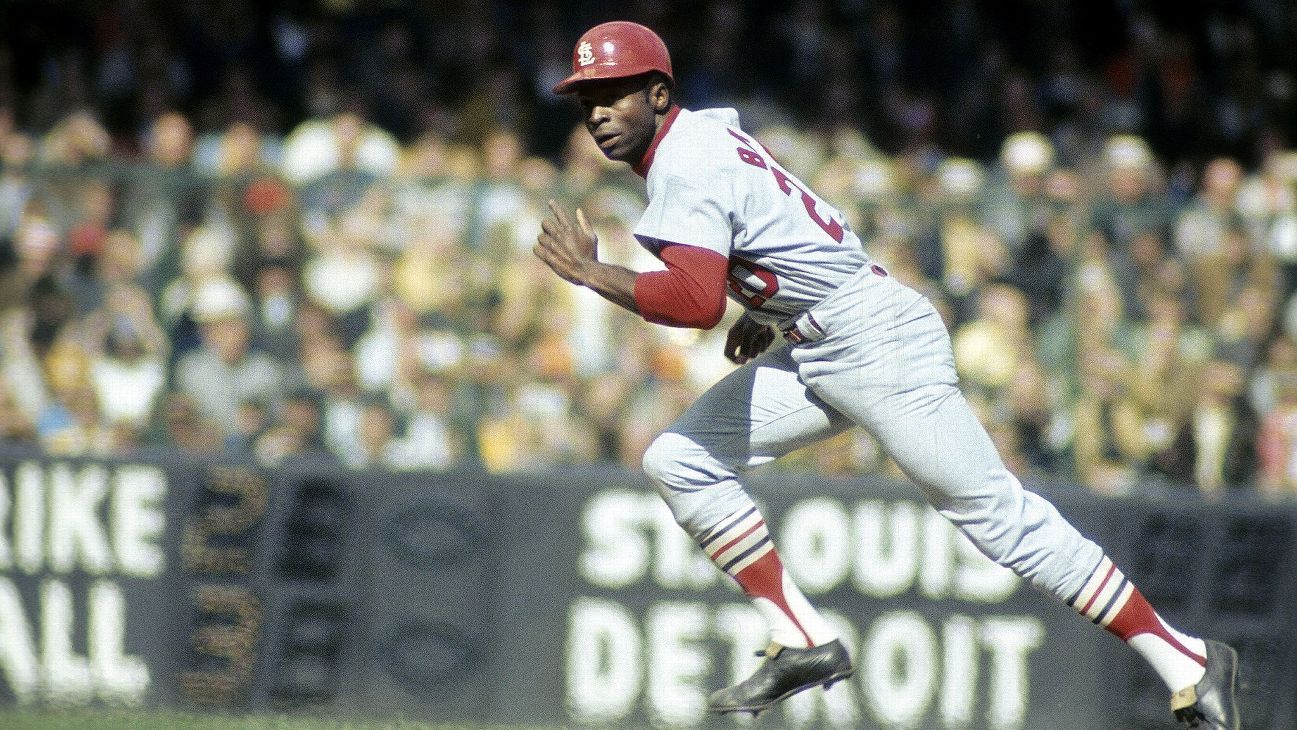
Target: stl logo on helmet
x,y
585,53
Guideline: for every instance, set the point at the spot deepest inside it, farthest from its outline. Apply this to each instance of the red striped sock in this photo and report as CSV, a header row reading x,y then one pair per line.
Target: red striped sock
x,y
1110,600
741,546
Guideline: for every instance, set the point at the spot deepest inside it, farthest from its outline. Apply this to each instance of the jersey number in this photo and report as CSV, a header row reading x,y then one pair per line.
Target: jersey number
x,y
751,282
749,154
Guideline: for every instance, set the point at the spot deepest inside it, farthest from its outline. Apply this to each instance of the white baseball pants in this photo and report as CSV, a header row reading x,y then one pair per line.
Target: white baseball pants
x,y
882,361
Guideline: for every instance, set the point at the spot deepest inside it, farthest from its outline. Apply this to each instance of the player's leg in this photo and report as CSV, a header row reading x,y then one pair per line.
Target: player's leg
x,y
754,415
940,444
902,389
947,452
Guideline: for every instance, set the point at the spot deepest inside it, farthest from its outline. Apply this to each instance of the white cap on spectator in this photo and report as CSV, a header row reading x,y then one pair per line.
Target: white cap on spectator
x,y
959,178
218,298
1027,153
206,251
875,178
311,150
1127,152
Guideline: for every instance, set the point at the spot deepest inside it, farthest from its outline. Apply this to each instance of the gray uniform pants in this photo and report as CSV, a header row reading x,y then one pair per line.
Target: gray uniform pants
x,y
882,360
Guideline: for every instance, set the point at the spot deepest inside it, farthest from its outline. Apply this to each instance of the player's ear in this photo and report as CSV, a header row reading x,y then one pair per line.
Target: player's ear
x,y
659,94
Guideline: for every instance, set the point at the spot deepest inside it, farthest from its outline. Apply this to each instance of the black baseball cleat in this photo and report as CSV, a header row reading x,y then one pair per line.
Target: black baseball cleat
x,y
785,673
1210,704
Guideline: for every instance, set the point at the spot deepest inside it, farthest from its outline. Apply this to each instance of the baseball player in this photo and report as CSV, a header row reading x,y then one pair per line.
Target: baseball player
x,y
858,348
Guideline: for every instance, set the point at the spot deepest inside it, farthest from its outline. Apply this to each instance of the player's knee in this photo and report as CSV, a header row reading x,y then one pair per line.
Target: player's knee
x,y
699,489
664,459
683,472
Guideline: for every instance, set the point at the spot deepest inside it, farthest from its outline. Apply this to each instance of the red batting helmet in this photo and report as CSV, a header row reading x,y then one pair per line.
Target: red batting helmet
x,y
616,50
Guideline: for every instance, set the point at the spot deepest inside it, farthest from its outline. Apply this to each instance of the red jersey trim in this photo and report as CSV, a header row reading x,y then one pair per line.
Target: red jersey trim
x,y
643,167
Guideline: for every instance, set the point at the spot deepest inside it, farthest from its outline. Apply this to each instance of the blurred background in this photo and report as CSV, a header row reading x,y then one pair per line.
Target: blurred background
x,y
258,231
275,227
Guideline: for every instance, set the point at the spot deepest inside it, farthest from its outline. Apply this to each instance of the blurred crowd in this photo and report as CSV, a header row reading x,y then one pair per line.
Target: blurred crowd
x,y
1193,77
276,251
335,293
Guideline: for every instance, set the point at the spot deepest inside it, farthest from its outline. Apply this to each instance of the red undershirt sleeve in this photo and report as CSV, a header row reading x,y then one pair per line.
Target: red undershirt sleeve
x,y
690,293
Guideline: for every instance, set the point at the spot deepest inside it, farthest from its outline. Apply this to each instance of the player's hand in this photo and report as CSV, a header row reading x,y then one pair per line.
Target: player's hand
x,y
747,339
566,246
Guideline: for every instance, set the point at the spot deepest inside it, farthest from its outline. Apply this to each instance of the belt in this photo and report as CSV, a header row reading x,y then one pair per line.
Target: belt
x,y
803,329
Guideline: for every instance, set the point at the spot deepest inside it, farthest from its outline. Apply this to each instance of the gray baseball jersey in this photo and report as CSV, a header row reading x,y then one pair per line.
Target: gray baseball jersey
x,y
873,353
712,185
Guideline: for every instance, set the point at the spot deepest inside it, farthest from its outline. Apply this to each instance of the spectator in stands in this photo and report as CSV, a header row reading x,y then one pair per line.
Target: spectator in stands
x,y
128,358
1277,444
504,217
1108,443
599,403
238,152
1168,346
331,370
1278,364
86,225
992,346
296,430
183,428
16,153
225,370
1245,324
251,420
968,253
343,142
119,264
344,274
23,376
1130,201
541,411
15,425
1024,427
162,197
271,230
1170,353
204,254
277,300
1040,268
1216,444
1210,237
387,349
376,445
429,274
1268,203
1094,317
76,140
997,366
36,246
71,424
1016,204
429,441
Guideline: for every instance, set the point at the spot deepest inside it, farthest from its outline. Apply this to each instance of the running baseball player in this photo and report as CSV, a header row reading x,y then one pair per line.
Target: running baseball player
x,y
858,349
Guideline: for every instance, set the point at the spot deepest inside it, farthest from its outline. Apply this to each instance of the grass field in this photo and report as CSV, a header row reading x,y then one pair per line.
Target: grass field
x,y
141,720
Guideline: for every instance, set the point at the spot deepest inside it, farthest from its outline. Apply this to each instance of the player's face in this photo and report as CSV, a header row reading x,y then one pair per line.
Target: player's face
x,y
620,115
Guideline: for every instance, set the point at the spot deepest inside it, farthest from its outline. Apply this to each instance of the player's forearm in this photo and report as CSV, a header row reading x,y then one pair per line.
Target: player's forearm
x,y
689,293
612,282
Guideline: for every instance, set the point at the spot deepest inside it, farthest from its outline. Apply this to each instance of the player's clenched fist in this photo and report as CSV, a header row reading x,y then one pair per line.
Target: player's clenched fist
x,y
747,339
565,246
